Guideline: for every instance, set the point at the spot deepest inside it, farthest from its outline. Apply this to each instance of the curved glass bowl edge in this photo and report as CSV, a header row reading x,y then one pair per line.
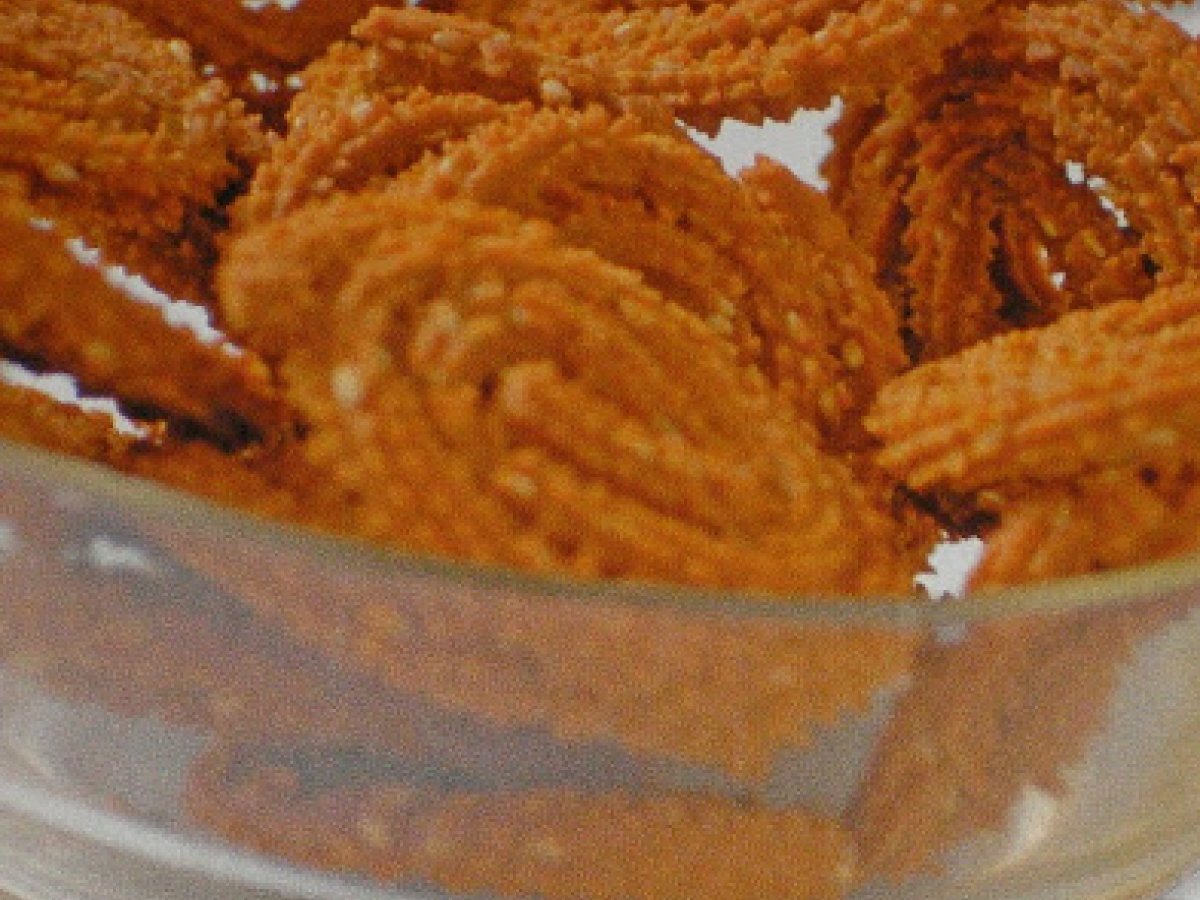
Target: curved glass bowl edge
x,y
1133,584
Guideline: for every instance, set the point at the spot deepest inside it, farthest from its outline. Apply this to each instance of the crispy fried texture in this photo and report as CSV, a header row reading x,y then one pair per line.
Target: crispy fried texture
x,y
258,49
863,328
549,841
191,656
475,361
652,201
1129,117
371,108
239,37
339,143
1099,388
751,59
113,134
957,185
60,314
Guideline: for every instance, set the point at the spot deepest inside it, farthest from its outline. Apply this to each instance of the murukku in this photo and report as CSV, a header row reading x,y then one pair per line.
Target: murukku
x,y
539,386
965,201
1099,388
255,47
81,590
1010,706
60,314
749,60
726,694
1108,520
652,201
113,134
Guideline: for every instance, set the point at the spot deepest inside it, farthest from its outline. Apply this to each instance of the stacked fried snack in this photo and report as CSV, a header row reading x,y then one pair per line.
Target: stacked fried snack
x,y
483,297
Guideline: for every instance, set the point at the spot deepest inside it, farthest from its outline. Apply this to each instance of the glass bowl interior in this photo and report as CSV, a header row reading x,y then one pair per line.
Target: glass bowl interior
x,y
192,700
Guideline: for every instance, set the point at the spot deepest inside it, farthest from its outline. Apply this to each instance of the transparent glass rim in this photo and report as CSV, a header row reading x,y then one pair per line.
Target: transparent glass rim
x,y
1136,584
185,854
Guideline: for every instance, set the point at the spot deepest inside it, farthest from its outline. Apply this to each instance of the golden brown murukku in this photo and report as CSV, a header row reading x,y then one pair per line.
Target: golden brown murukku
x,y
708,690
60,314
114,135
465,340
652,201
991,199
1113,518
273,39
750,60
81,590
1099,388
549,841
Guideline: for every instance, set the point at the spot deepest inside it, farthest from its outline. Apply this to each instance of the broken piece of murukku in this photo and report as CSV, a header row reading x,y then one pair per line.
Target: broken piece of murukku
x,y
113,134
1098,388
552,841
61,314
462,358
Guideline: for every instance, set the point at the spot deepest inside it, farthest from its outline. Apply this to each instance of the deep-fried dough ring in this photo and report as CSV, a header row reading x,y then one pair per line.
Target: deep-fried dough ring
x,y
957,186
653,202
1012,705
189,656
1099,388
114,135
750,59
240,38
460,358
57,313
1114,518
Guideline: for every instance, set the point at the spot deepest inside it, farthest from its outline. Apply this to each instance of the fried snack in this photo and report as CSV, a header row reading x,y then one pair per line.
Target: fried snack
x,y
865,328
549,841
461,359
1012,705
371,108
959,186
1114,518
1099,388
1128,118
343,144
750,60
111,133
652,201
59,314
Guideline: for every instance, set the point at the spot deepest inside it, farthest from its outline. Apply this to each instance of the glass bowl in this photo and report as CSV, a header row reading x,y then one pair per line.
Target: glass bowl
x,y
195,703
